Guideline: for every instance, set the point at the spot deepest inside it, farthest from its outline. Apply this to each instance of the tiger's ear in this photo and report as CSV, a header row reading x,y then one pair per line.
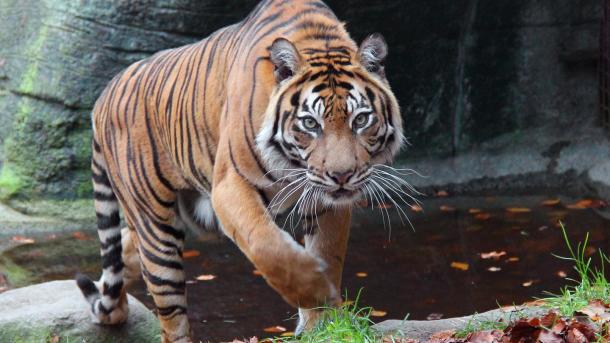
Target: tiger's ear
x,y
372,54
285,58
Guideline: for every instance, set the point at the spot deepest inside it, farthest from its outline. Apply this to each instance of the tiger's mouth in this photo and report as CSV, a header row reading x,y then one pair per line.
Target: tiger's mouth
x,y
343,193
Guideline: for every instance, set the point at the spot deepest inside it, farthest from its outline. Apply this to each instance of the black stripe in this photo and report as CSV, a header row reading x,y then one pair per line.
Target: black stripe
x,y
113,291
105,222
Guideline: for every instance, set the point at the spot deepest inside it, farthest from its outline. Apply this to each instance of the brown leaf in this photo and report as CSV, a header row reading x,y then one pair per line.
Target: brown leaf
x,y
493,254
442,194
275,329
22,240
442,336
384,205
518,210
597,311
474,210
78,235
362,274
378,313
257,272
562,274
513,259
416,208
549,337
190,254
575,336
488,336
587,203
206,277
528,283
446,208
482,216
460,265
551,202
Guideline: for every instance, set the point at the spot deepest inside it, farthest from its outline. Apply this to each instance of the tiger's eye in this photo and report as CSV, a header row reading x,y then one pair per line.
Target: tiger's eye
x,y
310,123
361,120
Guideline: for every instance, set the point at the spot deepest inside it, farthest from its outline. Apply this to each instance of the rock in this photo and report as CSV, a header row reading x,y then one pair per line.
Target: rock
x,y
39,312
421,330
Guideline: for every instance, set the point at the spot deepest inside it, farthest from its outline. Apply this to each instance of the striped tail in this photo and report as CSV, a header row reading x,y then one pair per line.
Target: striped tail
x,y
107,297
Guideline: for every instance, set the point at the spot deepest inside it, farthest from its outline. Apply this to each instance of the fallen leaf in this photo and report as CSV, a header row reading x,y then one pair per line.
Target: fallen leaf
x,y
474,210
416,208
460,265
257,272
513,259
190,254
378,313
22,240
528,283
493,254
190,282
347,302
446,208
575,336
362,274
597,311
80,236
275,329
487,336
587,203
542,228
518,210
442,194
206,277
562,274
482,216
551,202
434,316
287,334
494,269
384,205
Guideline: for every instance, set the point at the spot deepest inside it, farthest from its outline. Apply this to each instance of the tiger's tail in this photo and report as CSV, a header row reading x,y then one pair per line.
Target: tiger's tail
x,y
107,297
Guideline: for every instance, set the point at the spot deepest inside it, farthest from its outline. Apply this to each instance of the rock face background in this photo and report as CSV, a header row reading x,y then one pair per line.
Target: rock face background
x,y
465,71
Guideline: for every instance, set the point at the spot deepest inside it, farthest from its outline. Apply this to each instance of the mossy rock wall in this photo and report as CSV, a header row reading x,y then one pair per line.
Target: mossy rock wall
x,y
465,71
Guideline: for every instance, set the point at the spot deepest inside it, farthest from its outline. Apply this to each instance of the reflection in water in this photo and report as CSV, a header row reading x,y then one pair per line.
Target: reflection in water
x,y
407,272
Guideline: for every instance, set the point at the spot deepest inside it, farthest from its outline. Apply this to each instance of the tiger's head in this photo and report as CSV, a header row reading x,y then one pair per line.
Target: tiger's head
x,y
332,118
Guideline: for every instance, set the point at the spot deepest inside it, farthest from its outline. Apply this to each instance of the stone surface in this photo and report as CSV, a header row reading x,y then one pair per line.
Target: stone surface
x,y
39,312
421,330
466,72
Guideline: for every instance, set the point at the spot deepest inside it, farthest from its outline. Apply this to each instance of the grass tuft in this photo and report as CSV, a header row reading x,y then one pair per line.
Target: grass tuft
x,y
591,283
346,323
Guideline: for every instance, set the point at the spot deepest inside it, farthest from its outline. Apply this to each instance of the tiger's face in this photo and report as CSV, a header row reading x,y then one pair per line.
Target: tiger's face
x,y
332,119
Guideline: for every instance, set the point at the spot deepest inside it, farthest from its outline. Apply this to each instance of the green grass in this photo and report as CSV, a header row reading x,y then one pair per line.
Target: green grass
x,y
346,323
590,285
476,325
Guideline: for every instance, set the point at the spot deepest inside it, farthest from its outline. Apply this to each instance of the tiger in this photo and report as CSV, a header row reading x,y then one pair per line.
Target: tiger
x,y
280,113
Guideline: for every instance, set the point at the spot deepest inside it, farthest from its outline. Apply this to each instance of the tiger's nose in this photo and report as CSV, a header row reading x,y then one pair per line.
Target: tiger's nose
x,y
341,178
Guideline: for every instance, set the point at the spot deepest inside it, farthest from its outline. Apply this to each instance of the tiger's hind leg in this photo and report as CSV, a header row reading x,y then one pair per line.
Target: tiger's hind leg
x,y
107,297
160,247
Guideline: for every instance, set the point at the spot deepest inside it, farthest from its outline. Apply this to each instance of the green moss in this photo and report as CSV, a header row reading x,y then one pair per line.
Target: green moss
x,y
17,276
10,182
81,210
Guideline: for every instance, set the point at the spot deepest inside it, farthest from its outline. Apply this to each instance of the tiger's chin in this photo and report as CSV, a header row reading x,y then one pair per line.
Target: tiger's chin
x,y
341,197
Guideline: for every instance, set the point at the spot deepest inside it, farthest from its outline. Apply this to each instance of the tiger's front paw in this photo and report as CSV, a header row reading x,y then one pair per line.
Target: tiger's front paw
x,y
306,284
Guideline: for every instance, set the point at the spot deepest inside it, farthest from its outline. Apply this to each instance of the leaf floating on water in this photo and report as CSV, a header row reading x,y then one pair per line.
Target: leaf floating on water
x,y
460,265
494,269
362,274
551,202
275,329
257,272
416,208
287,334
384,205
378,313
587,203
22,240
482,216
206,277
562,274
528,283
474,210
493,254
78,235
518,210
446,208
442,194
191,253
513,259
